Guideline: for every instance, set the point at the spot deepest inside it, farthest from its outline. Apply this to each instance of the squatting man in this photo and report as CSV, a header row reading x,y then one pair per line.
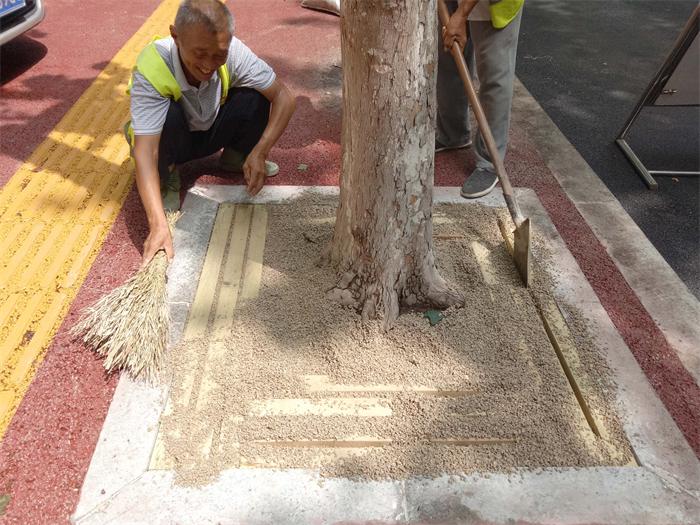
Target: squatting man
x,y
192,94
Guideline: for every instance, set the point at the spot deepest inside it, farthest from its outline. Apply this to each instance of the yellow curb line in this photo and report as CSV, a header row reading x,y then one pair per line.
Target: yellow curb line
x,y
56,211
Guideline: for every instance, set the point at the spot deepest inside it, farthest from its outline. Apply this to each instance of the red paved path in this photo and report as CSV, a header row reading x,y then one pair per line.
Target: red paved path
x,y
47,449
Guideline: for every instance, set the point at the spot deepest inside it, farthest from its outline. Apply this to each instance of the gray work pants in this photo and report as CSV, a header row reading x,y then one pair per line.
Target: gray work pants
x,y
494,51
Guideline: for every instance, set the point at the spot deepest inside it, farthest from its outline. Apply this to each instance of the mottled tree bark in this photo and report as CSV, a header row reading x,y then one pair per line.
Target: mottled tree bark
x,y
382,243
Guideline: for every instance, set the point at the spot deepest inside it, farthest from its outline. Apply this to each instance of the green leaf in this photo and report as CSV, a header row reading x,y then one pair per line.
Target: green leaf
x,y
434,316
4,501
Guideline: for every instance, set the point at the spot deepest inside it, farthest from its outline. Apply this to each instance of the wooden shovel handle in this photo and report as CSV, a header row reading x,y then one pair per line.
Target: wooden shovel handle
x,y
512,204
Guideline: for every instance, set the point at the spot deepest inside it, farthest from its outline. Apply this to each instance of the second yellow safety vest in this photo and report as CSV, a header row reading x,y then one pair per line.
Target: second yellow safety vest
x,y
503,12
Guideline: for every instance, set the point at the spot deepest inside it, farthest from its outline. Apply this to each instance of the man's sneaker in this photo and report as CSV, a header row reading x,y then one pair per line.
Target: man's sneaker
x,y
479,183
170,190
232,161
439,146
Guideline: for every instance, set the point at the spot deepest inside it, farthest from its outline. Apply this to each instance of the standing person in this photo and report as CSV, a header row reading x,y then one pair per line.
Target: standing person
x,y
192,94
491,41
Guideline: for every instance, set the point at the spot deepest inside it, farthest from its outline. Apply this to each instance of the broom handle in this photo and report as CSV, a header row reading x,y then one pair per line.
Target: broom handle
x,y
512,204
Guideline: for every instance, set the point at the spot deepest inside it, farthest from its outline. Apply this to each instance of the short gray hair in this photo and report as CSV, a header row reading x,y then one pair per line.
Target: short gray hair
x,y
213,14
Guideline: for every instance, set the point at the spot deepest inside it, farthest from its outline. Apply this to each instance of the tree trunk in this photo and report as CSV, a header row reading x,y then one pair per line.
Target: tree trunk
x,y
382,244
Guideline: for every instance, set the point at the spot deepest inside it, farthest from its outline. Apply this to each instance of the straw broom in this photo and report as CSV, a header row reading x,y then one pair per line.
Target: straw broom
x,y
129,326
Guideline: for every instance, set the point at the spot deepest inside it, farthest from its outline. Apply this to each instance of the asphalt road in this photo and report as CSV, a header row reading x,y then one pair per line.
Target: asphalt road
x,y
587,62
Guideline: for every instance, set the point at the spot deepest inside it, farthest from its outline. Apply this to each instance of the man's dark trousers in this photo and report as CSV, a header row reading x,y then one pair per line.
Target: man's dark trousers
x,y
239,125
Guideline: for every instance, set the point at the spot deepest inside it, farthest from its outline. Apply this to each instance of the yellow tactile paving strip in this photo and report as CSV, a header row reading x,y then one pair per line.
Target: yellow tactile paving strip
x,y
235,253
56,211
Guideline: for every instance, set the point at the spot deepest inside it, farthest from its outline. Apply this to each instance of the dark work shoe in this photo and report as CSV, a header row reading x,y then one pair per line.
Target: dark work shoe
x,y
439,146
478,184
170,190
232,161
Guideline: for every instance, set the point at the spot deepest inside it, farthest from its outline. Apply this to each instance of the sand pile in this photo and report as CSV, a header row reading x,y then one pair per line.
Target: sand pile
x,y
481,391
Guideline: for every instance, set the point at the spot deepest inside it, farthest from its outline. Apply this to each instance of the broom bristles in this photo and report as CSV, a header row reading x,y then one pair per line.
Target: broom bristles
x,y
129,325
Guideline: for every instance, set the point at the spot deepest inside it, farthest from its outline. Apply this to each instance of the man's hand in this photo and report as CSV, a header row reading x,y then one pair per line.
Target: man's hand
x,y
281,109
159,238
254,172
455,31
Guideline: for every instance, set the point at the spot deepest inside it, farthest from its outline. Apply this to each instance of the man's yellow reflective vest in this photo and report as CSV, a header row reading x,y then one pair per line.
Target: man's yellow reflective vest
x,y
154,69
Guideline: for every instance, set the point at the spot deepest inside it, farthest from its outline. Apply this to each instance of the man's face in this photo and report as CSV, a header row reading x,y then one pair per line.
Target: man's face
x,y
201,51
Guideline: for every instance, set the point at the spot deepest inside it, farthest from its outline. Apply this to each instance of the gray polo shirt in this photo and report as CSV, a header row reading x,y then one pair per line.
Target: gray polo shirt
x,y
201,105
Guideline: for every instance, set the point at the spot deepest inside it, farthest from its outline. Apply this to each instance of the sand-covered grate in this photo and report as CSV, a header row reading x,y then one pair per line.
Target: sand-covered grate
x,y
272,374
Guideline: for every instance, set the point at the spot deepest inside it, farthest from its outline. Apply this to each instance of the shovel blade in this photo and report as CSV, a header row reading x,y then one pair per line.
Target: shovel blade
x,y
521,250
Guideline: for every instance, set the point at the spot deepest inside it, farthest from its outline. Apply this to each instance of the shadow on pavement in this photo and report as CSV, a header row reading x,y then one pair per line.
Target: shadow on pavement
x,y
19,55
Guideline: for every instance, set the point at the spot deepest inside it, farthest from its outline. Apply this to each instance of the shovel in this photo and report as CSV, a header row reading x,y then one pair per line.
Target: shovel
x,y
521,235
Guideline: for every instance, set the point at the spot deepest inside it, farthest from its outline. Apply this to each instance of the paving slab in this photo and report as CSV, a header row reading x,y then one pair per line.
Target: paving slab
x,y
664,488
